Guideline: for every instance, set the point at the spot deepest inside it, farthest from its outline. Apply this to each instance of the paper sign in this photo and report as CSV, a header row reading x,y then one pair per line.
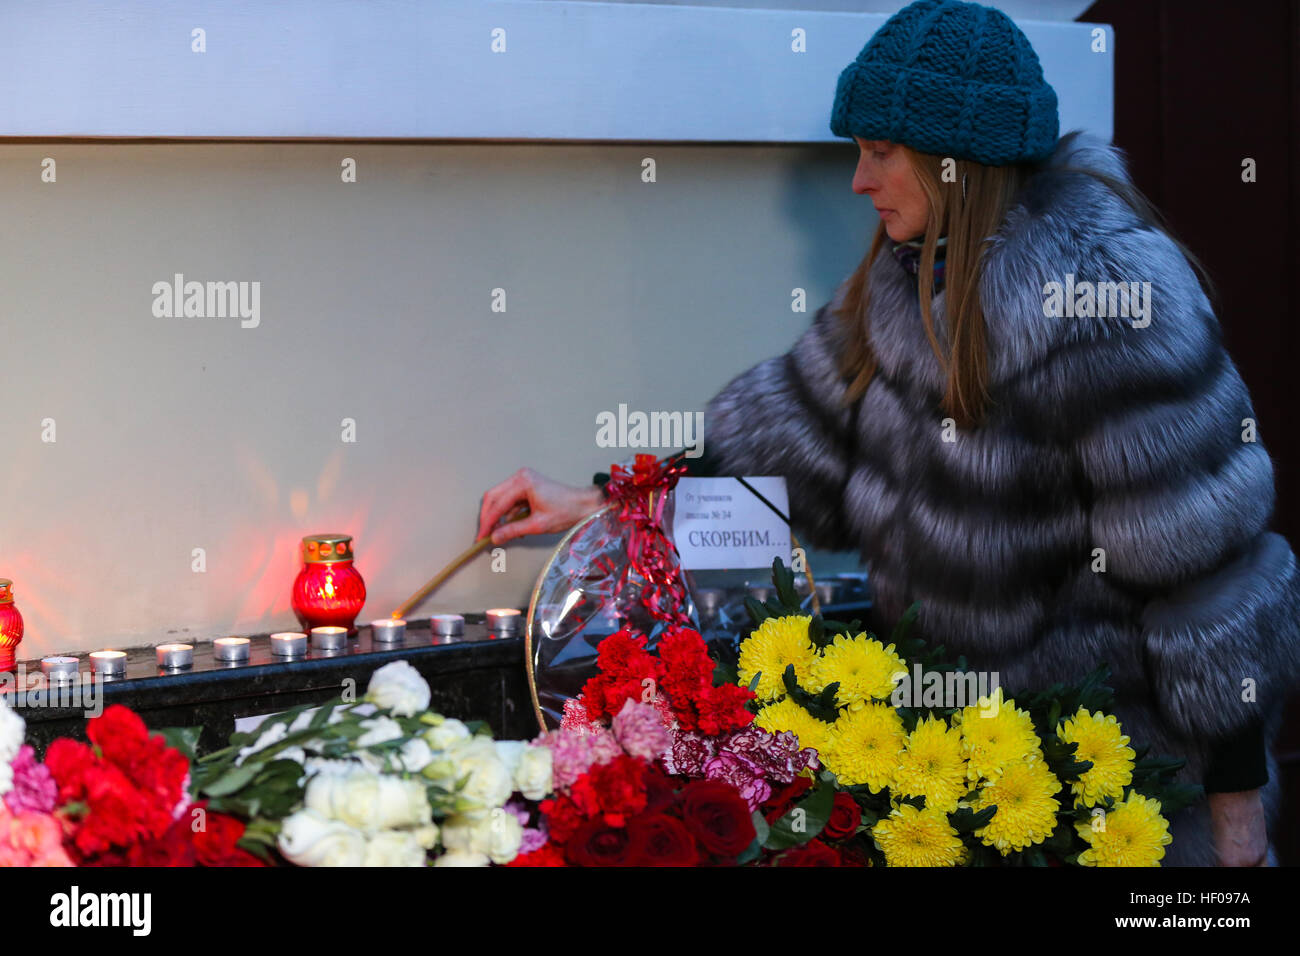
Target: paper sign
x,y
719,523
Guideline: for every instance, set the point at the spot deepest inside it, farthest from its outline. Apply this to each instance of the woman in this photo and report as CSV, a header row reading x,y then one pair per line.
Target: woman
x,y
1019,410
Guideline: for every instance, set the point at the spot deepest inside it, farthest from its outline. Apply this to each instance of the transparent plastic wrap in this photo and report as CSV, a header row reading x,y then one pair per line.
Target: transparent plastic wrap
x,y
588,590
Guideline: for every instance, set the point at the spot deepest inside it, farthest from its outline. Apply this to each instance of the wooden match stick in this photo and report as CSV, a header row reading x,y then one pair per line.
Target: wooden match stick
x,y
517,513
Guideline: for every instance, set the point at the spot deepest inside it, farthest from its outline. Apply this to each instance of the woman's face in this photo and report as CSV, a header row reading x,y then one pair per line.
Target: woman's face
x,y
886,176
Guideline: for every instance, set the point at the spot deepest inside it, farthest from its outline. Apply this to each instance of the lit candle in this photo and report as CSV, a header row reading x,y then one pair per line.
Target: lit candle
x,y
109,663
175,656
60,668
230,648
448,625
388,630
503,620
289,644
329,638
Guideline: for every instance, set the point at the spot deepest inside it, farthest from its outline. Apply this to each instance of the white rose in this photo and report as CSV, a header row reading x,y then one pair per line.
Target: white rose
x,y
461,858
394,848
427,835
533,775
497,835
369,801
379,730
12,731
490,783
510,752
446,733
308,839
415,755
400,688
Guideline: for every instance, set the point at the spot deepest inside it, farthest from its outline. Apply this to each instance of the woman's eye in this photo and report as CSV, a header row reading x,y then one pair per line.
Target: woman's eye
x,y
878,154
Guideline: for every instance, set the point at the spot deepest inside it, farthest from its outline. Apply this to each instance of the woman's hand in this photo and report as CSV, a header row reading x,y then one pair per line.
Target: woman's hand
x,y
553,506
1240,838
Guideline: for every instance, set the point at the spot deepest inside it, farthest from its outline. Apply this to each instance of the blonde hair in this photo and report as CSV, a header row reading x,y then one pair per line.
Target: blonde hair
x,y
968,210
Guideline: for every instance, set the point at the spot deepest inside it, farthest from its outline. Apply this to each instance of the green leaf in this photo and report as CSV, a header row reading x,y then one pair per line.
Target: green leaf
x,y
229,782
753,851
184,739
757,612
804,820
783,578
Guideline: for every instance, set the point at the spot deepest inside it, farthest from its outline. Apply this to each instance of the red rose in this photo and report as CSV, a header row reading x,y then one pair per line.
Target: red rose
x,y
659,840
812,853
597,844
845,817
718,816
781,802
660,790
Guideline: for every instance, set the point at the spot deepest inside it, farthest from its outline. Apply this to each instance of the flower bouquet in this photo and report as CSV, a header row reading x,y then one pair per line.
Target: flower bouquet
x,y
379,781
1041,778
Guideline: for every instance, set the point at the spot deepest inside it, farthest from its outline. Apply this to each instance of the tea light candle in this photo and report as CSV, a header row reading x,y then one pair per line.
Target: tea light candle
x,y
175,656
448,625
388,630
60,668
759,592
108,663
503,620
230,648
329,638
709,599
289,644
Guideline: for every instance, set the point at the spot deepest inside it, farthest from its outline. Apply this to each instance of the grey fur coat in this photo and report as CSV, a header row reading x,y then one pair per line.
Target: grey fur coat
x,y
1099,435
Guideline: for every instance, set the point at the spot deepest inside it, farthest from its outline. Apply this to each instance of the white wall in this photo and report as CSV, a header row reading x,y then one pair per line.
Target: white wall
x,y
175,434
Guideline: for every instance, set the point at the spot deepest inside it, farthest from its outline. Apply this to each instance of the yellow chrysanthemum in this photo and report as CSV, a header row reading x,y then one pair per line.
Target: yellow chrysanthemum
x,y
1025,795
865,745
912,837
775,644
787,715
865,669
995,733
1102,741
1132,834
933,765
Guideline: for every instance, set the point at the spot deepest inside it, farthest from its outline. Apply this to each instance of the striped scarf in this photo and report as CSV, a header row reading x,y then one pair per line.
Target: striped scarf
x,y
908,254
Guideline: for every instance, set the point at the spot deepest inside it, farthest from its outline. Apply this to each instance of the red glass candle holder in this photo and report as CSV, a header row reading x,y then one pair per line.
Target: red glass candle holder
x,y
11,626
328,591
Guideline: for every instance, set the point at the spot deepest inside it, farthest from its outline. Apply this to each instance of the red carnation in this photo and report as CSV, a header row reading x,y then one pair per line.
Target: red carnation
x,y
619,788
546,855
812,853
718,816
216,843
597,844
660,840
722,709
563,818
173,848
844,819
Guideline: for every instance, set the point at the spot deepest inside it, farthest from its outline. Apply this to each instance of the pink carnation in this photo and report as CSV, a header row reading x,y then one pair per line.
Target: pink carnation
x,y
34,788
31,839
640,730
573,753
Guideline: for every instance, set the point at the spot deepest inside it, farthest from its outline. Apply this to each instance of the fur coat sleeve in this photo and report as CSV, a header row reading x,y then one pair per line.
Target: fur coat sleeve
x,y
786,416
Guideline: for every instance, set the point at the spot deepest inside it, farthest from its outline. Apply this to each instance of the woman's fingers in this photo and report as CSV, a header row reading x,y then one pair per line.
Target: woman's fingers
x,y
533,524
501,498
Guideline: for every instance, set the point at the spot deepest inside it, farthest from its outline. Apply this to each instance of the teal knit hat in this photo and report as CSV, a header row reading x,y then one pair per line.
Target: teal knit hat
x,y
951,79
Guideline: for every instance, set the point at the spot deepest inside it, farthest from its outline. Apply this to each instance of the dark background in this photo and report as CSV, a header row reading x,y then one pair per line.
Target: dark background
x,y
1199,86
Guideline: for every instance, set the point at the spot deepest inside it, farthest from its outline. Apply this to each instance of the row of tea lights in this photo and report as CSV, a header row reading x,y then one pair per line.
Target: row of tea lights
x,y
287,645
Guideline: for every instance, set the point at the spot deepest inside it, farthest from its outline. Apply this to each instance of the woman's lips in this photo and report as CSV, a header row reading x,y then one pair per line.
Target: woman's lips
x,y
882,213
